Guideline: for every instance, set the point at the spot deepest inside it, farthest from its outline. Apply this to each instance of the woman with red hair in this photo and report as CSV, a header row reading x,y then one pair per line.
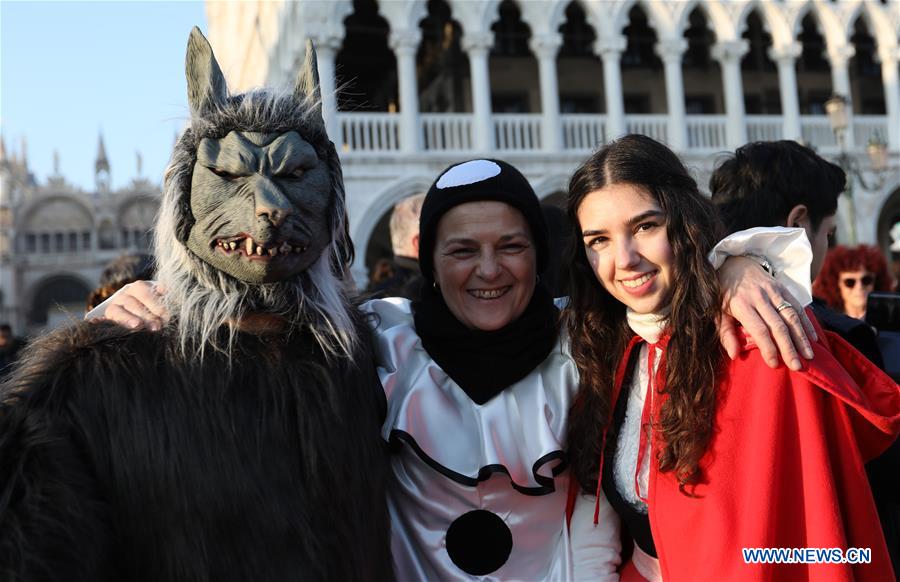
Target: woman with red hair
x,y
847,277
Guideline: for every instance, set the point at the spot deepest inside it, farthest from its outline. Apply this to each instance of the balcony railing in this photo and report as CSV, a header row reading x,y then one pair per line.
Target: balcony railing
x,y
816,131
655,126
583,132
706,133
764,127
449,132
455,132
369,132
517,132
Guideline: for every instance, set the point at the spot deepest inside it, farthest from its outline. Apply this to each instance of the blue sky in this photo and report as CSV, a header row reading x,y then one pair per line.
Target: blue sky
x,y
69,70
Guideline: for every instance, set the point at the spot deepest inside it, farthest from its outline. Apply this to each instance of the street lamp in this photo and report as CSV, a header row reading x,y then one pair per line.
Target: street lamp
x,y
837,110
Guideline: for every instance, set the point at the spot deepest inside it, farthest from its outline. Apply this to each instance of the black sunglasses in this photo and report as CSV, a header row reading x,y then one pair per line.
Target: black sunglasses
x,y
865,280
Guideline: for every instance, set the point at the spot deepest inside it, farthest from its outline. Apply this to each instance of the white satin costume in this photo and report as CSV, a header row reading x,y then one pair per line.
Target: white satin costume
x,y
479,491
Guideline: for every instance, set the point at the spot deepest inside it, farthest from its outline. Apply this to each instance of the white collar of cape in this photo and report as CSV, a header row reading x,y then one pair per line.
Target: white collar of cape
x,y
648,325
520,431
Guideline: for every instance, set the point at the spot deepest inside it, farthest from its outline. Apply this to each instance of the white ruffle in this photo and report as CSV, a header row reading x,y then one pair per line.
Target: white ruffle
x,y
519,432
787,249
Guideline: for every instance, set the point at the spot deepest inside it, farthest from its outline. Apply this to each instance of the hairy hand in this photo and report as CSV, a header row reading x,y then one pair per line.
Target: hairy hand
x,y
135,305
751,296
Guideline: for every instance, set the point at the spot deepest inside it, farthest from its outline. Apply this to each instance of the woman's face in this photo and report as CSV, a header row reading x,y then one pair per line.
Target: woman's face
x,y
484,263
627,246
855,288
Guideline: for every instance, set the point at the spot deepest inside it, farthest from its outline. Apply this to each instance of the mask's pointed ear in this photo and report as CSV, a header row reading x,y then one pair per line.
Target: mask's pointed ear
x,y
206,85
307,87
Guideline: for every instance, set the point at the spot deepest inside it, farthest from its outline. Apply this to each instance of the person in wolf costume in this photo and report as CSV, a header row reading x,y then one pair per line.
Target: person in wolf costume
x,y
241,442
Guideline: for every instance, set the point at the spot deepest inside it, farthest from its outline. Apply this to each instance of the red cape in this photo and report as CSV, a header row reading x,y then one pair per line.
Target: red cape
x,y
784,469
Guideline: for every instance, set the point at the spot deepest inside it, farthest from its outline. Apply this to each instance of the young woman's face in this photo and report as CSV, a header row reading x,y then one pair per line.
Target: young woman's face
x,y
627,246
485,263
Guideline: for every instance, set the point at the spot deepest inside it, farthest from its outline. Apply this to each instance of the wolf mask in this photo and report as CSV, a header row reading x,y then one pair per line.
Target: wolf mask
x,y
212,449
253,217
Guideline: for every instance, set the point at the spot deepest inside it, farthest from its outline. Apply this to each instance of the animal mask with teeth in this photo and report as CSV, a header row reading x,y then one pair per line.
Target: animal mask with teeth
x,y
253,215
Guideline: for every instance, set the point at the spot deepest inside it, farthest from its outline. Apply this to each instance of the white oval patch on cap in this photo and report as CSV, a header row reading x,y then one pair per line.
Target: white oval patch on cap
x,y
468,173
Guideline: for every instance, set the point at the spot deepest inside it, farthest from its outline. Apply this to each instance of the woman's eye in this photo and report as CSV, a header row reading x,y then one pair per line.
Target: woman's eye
x,y
647,226
597,241
514,248
462,252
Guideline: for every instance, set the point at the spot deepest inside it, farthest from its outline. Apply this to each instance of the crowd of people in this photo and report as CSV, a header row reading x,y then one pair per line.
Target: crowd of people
x,y
643,388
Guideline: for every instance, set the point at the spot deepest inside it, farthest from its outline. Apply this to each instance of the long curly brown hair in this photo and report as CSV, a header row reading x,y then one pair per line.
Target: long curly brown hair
x,y
596,322
842,259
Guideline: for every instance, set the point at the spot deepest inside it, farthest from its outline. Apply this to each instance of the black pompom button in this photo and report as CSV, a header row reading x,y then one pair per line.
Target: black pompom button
x,y
479,542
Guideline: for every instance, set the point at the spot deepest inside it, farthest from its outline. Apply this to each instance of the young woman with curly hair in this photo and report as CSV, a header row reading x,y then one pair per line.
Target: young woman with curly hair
x,y
699,455
848,275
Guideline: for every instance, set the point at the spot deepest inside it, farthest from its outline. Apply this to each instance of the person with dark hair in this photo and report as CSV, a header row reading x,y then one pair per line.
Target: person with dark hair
x,y
702,456
849,275
786,184
783,183
119,272
779,183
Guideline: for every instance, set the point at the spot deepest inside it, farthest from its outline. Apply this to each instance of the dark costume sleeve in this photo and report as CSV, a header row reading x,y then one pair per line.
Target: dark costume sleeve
x,y
53,522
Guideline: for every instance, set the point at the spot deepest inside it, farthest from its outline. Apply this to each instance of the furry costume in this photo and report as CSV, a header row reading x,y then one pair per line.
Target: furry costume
x,y
203,452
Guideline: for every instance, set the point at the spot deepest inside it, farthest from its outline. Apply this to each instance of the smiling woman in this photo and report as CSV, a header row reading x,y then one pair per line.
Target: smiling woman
x,y
664,425
485,263
479,386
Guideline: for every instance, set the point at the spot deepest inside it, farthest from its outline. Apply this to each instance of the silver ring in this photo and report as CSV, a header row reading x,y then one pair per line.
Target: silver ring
x,y
783,305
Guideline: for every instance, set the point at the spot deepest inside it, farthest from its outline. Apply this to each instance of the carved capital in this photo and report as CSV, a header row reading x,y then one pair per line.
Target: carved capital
x,y
671,49
787,53
545,45
325,42
405,41
889,55
477,41
610,47
730,51
840,56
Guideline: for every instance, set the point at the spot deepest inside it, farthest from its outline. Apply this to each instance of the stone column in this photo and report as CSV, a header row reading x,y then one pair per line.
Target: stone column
x,y
545,47
729,55
405,43
671,52
610,50
326,51
785,58
477,45
840,84
889,60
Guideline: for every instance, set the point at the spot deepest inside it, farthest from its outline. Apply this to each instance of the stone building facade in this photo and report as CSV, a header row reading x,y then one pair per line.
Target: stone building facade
x,y
412,85
56,239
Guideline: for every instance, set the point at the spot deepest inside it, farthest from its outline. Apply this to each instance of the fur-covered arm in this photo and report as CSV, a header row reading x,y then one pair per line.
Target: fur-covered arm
x,y
54,521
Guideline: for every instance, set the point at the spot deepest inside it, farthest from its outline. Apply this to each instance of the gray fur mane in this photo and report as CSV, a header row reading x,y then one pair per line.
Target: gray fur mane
x,y
203,299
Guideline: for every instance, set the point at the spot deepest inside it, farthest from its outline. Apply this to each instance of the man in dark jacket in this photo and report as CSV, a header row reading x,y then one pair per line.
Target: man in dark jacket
x,y
405,279
783,183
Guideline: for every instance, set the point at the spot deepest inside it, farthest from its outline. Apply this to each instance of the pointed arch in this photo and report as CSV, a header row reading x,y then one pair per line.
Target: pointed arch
x,y
655,15
878,23
773,21
719,19
383,203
